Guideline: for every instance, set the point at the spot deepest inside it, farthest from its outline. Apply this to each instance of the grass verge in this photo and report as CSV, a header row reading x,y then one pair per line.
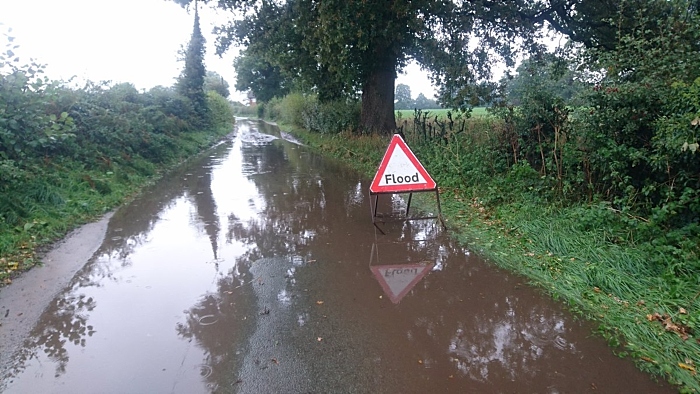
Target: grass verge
x,y
64,194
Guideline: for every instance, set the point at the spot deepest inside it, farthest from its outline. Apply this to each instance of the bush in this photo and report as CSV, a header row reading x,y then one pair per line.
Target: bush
x,y
220,111
305,111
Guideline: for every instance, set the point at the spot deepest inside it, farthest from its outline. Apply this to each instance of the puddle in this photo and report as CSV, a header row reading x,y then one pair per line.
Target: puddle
x,y
256,268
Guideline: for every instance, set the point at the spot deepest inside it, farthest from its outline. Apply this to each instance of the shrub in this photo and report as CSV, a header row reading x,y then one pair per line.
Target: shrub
x,y
220,111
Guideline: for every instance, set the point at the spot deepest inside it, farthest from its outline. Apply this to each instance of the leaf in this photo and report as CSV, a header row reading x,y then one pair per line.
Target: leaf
x,y
686,367
695,121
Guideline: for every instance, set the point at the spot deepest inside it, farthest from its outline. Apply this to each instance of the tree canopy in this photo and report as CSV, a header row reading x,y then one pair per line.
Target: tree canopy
x,y
354,48
215,82
404,100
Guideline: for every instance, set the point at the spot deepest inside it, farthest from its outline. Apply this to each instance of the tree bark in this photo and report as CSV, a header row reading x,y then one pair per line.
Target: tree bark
x,y
377,114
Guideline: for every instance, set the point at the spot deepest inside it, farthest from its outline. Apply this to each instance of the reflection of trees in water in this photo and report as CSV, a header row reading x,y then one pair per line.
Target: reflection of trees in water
x,y
64,321
216,323
205,205
293,201
130,226
512,339
512,346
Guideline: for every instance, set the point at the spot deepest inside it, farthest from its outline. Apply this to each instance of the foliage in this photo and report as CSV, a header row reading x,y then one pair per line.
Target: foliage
x,y
641,114
190,84
556,73
260,77
423,102
220,111
215,82
402,96
307,112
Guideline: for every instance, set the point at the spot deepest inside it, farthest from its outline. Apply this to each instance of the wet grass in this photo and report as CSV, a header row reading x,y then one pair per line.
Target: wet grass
x,y
62,195
584,255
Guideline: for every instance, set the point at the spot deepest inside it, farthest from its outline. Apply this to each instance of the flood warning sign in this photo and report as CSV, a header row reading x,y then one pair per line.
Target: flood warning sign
x,y
400,171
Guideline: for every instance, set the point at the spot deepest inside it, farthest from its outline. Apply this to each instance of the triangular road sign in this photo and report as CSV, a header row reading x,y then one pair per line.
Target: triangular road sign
x,y
400,171
398,280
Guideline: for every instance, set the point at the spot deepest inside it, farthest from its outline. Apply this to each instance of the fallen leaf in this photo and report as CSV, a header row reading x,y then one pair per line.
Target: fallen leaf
x,y
686,367
420,361
682,311
665,320
319,302
319,339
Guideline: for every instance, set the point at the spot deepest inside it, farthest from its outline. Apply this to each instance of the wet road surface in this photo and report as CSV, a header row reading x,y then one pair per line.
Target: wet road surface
x,y
256,269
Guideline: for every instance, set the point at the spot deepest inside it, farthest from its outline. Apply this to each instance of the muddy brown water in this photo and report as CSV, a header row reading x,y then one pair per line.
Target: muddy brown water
x,y
256,269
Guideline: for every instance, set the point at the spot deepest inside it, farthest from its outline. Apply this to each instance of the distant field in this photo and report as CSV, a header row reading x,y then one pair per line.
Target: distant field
x,y
440,112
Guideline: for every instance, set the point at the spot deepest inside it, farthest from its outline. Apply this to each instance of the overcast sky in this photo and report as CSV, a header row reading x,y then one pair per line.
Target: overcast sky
x,y
133,41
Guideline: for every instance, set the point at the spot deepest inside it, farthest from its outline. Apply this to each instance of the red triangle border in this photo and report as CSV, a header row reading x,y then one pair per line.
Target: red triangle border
x,y
397,141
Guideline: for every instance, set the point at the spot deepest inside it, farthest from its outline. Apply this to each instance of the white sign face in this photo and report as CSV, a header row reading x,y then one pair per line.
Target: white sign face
x,y
398,280
400,171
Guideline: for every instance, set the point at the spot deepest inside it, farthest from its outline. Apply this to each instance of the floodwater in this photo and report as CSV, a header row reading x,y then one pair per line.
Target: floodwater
x,y
256,269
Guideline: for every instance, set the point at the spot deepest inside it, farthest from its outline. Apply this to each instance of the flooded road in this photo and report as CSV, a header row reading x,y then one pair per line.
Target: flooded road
x,y
256,269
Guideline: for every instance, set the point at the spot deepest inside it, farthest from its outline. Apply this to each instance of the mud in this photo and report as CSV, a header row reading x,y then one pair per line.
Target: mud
x,y
256,268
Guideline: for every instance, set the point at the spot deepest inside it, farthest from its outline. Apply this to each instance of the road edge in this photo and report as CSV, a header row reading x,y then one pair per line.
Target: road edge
x,y
23,301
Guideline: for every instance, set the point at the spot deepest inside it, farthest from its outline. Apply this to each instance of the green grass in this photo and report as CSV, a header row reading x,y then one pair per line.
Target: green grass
x,y
441,113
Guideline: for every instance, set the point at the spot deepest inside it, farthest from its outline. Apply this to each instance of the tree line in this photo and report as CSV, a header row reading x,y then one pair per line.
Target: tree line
x,y
404,100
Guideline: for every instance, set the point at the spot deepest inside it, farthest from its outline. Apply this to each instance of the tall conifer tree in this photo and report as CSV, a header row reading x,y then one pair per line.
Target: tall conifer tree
x,y
191,81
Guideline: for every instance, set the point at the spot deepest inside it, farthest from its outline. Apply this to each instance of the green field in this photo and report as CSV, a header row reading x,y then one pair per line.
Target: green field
x,y
439,112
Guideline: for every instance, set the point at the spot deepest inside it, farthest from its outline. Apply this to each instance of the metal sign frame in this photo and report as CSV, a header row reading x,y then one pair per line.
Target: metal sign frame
x,y
374,204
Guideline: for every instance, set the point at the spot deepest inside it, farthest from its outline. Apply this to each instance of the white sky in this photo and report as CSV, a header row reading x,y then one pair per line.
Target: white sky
x,y
133,41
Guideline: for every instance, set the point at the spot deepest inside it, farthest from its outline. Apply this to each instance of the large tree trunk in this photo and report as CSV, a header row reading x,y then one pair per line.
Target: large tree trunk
x,y
378,100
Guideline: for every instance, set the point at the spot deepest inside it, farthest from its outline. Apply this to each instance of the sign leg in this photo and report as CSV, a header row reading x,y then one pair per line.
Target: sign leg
x,y
437,195
408,205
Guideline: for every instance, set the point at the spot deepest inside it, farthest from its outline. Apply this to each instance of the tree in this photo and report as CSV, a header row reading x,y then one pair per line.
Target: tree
x,y
191,81
215,82
423,102
551,72
260,77
403,97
